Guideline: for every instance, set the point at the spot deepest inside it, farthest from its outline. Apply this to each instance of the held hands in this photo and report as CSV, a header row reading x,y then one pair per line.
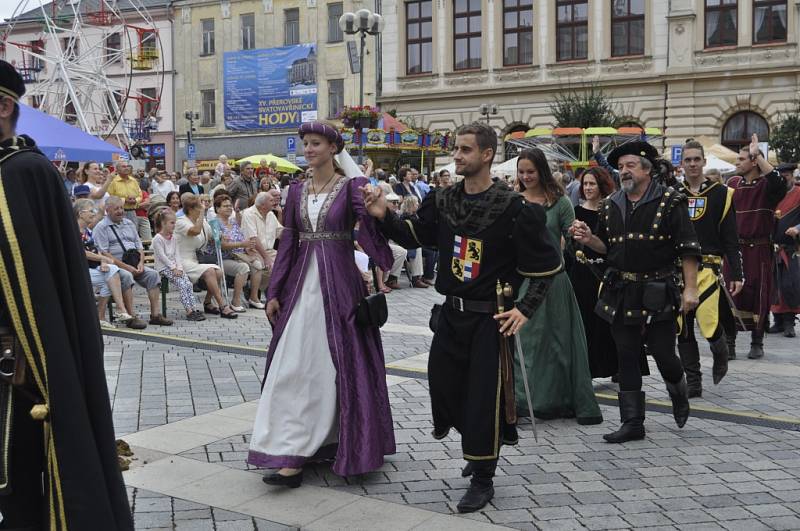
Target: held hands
x,y
511,321
735,287
272,310
595,144
374,201
580,231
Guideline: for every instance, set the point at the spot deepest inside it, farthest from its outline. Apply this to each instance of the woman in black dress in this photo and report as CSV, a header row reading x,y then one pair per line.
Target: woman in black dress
x,y
595,185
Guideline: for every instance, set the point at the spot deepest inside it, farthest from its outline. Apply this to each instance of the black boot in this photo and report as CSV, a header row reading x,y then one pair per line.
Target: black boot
x,y
481,487
631,413
731,341
788,325
776,328
756,346
679,394
690,359
719,349
467,470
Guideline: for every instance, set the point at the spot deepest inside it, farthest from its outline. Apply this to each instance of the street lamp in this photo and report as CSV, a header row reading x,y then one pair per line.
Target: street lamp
x,y
361,22
487,109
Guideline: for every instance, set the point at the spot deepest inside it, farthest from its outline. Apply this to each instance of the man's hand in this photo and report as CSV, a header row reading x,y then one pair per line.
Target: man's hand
x,y
103,267
511,321
754,151
580,231
130,269
735,287
689,300
595,144
792,232
374,201
272,310
140,268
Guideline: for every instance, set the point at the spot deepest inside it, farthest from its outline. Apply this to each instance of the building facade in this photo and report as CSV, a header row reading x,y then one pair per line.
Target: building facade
x,y
119,65
716,68
209,33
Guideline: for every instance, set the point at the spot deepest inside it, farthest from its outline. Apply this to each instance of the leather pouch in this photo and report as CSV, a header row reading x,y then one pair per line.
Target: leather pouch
x,y
654,296
372,311
436,311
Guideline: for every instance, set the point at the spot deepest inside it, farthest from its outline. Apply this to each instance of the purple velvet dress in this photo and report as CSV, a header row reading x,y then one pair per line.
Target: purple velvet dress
x,y
365,432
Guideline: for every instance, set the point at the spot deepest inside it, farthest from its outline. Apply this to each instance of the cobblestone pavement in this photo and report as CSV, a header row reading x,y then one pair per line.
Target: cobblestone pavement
x,y
736,465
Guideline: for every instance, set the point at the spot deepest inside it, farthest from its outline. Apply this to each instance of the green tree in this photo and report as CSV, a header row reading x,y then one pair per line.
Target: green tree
x,y
785,138
583,108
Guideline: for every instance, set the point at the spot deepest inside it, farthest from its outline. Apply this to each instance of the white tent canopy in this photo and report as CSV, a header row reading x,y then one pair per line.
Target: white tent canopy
x,y
716,163
508,167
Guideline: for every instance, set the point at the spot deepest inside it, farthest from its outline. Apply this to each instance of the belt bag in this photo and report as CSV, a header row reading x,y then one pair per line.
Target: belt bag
x,y
130,257
13,364
654,296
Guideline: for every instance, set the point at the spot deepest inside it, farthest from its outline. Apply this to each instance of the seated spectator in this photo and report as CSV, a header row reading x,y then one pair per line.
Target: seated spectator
x,y
236,262
222,183
82,191
408,210
193,234
390,281
406,185
193,185
205,200
116,234
222,165
161,184
95,178
103,273
168,262
124,186
142,221
261,225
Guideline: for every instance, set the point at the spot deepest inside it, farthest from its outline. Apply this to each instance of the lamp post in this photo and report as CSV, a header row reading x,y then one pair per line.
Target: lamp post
x,y
487,109
362,22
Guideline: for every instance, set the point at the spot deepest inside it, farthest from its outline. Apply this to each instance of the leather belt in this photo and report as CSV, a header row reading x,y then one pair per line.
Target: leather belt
x,y
754,241
465,305
631,276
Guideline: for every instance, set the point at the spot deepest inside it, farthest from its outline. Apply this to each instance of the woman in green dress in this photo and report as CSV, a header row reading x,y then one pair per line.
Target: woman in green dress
x,y
553,340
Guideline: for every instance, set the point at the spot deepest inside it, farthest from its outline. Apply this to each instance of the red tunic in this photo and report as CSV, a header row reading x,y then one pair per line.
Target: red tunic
x,y
755,204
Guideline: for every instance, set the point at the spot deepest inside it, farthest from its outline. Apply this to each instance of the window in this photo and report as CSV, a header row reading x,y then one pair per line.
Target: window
x,y
721,23
334,31
114,101
572,30
148,103
419,37
207,46
769,21
113,49
335,97
741,126
291,26
209,117
147,42
467,35
248,24
70,47
627,28
517,32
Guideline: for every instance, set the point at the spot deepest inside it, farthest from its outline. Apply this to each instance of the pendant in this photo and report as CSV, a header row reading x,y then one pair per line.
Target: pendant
x,y
314,200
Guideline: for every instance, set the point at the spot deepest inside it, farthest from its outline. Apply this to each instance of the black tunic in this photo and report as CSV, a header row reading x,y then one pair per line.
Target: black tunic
x,y
47,296
645,239
714,218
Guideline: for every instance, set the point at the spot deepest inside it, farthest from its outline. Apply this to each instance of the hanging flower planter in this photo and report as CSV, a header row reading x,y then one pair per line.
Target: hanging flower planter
x,y
360,117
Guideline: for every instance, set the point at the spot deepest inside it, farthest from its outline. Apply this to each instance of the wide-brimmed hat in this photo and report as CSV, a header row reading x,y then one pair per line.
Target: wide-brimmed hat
x,y
638,148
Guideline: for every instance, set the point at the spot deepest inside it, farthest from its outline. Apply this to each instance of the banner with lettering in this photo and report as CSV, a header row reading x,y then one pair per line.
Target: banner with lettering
x,y
270,88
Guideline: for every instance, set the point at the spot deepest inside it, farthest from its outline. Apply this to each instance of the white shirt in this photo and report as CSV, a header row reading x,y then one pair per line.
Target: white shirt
x,y
164,188
266,229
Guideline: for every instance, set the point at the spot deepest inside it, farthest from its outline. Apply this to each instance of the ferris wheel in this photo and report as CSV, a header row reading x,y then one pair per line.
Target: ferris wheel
x,y
98,64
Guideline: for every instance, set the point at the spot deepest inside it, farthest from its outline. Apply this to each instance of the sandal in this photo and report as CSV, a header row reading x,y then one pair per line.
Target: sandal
x,y
229,314
386,289
207,308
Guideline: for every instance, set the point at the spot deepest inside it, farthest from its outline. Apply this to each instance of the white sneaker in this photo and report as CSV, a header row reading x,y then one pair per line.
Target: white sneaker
x,y
123,317
257,305
238,309
106,324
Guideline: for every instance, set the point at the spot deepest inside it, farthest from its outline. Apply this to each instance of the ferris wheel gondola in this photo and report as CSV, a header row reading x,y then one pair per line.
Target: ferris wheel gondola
x,y
81,59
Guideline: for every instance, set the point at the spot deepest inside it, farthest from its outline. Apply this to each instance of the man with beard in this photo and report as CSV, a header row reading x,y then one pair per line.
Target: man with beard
x,y
486,234
58,459
711,211
644,229
787,265
758,189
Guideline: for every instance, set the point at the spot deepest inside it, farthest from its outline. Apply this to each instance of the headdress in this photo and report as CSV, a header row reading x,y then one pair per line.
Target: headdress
x,y
638,148
11,83
320,128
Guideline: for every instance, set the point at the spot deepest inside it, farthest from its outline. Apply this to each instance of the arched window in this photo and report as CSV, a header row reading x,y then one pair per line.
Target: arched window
x,y
510,150
739,127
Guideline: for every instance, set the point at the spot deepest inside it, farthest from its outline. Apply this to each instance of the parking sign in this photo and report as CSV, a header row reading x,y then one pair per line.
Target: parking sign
x,y
677,155
191,151
291,145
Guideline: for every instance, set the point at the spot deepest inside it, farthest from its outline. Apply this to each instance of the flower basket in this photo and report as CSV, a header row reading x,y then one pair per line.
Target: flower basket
x,y
360,117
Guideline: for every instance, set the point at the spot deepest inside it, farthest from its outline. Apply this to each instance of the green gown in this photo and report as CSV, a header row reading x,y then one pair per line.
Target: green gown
x,y
554,345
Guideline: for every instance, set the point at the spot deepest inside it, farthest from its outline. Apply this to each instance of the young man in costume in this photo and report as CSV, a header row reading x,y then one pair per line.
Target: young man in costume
x,y
58,461
485,233
714,218
644,229
757,190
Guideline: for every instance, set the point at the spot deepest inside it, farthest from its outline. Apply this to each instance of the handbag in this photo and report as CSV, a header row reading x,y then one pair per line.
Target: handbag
x,y
130,257
207,254
372,311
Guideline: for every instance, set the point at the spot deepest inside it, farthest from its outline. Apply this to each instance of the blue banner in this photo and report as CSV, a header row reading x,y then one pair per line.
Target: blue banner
x,y
270,88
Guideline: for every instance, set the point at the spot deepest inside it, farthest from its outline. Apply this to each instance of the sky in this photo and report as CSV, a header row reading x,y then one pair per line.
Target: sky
x,y
7,8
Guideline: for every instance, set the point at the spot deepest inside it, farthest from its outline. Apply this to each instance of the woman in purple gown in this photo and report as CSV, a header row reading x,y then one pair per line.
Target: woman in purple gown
x,y
324,393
